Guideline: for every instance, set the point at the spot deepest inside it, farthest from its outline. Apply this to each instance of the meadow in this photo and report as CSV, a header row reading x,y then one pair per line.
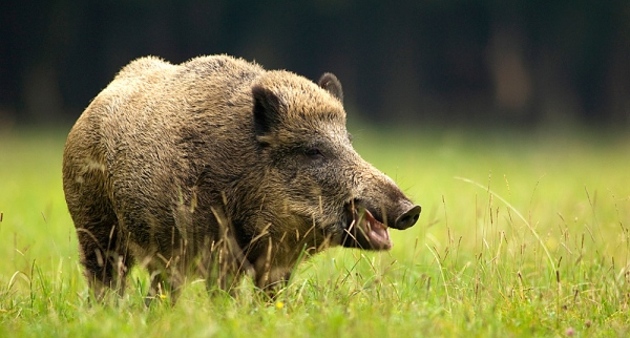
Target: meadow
x,y
521,234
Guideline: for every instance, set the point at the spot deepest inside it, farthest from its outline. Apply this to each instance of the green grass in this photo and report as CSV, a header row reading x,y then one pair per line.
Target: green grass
x,y
520,235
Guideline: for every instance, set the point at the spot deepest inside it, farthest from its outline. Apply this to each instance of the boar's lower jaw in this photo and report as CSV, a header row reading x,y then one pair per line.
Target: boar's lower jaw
x,y
366,232
376,232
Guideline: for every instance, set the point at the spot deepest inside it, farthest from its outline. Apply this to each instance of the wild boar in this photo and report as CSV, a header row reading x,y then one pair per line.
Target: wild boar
x,y
220,168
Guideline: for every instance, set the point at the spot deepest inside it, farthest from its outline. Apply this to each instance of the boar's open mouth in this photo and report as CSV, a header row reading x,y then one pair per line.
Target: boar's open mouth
x,y
364,229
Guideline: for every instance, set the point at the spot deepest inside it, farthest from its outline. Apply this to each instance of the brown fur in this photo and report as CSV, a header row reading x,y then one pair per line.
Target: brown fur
x,y
218,167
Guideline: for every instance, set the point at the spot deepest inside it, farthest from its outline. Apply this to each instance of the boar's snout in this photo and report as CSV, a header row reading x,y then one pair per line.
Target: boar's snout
x,y
381,206
408,218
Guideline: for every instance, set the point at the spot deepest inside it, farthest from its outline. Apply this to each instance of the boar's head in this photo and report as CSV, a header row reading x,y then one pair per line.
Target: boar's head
x,y
317,179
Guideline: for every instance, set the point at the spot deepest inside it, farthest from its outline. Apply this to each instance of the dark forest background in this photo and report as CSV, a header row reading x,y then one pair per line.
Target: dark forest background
x,y
523,63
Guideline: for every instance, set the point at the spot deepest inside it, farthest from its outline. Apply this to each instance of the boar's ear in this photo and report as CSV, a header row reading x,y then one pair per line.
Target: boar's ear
x,y
266,109
330,82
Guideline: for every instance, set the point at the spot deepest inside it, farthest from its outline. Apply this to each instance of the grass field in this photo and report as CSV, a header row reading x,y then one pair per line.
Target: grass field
x,y
520,235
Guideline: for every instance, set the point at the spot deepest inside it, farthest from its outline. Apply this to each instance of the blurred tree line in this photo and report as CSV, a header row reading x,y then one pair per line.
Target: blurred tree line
x,y
468,62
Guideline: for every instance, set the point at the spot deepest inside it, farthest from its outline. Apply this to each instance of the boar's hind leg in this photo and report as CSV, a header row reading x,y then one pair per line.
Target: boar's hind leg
x,y
103,253
104,256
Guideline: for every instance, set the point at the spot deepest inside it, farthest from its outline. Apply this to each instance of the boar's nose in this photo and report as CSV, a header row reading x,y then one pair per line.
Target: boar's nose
x,y
409,218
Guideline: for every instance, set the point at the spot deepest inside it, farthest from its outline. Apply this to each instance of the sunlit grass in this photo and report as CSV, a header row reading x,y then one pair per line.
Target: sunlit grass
x,y
520,234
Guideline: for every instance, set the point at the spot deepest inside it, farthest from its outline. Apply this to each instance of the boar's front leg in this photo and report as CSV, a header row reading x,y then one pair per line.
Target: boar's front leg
x,y
270,274
223,265
164,281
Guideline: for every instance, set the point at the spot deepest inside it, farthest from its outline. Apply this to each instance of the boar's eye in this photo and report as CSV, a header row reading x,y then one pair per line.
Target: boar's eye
x,y
313,153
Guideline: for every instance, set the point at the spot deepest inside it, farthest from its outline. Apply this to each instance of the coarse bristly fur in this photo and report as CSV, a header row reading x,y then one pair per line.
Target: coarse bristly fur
x,y
220,168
